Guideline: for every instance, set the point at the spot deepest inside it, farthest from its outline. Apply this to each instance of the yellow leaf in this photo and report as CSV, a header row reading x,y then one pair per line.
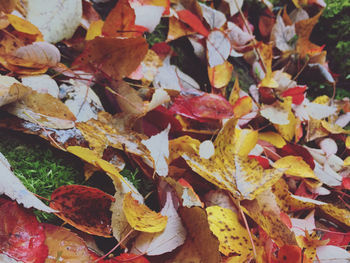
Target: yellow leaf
x,y
141,218
266,53
285,199
225,225
324,100
347,161
25,26
309,243
287,130
274,138
333,128
295,166
220,75
242,106
234,96
94,30
342,215
347,142
83,153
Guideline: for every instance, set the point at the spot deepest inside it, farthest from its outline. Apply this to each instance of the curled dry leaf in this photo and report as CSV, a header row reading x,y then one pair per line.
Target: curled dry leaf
x,y
65,246
141,218
36,55
11,90
86,208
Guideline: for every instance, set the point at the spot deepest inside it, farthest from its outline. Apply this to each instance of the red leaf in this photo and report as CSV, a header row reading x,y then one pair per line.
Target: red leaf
x,y
193,21
86,208
346,183
264,162
336,238
297,150
21,236
206,106
266,95
289,254
297,94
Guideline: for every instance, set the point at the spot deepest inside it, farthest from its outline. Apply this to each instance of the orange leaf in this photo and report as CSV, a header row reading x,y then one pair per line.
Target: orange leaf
x,y
117,58
120,22
85,208
193,21
25,26
289,254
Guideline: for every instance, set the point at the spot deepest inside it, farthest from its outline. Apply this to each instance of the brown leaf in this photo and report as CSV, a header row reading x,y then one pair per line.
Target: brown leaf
x,y
115,57
8,6
11,90
195,220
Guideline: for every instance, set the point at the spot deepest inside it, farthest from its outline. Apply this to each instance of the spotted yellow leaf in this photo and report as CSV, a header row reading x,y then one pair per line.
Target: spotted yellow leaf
x,y
233,237
141,218
342,215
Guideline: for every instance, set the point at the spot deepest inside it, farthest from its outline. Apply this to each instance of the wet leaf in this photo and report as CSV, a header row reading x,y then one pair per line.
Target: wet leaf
x,y
86,208
22,237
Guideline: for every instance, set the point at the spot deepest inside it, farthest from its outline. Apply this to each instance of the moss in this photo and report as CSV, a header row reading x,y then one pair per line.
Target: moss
x,y
159,34
40,167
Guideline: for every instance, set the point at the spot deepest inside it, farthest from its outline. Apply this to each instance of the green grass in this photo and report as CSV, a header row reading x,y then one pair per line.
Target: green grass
x,y
40,167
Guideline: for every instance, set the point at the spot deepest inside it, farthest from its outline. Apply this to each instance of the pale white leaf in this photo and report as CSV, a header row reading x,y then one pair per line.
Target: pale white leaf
x,y
41,53
81,100
327,175
343,120
275,115
298,14
319,111
158,145
214,18
206,149
299,226
329,146
332,254
323,71
282,35
56,19
148,16
42,84
234,5
237,36
218,48
9,92
171,237
11,186
219,198
189,199
169,77
307,200
159,97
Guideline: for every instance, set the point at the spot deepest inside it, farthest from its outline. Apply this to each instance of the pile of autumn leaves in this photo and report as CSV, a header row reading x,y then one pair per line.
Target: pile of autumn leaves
x,y
239,177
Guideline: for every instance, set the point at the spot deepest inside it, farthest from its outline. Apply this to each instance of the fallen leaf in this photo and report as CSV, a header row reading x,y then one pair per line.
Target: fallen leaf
x,y
22,237
274,138
332,254
11,90
86,208
141,218
55,20
115,57
44,109
195,220
158,146
220,75
171,237
25,26
233,237
193,21
218,48
64,245
295,166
